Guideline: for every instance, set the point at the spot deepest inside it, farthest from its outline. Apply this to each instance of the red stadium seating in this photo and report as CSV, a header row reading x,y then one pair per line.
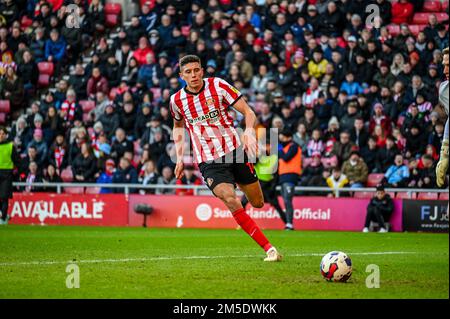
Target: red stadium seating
x,y
25,22
406,195
112,14
421,18
87,105
185,30
44,80
86,117
442,16
113,93
364,194
2,118
415,29
46,68
5,106
74,190
427,196
67,175
374,179
92,190
394,29
443,196
445,5
432,6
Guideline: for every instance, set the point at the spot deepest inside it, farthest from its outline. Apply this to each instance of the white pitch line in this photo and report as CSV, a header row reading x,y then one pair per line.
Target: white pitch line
x,y
95,261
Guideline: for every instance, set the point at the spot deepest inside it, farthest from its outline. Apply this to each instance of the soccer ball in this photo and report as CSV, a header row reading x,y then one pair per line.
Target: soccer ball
x,y
336,266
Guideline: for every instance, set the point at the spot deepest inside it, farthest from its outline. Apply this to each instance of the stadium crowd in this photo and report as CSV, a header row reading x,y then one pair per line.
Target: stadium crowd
x,y
359,99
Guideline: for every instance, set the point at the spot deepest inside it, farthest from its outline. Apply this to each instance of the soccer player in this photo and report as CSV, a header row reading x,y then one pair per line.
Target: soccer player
x,y
442,166
202,107
8,159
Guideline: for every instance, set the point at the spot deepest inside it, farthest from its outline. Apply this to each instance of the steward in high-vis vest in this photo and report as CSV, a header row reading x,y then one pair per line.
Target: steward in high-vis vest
x,y
289,171
8,160
266,170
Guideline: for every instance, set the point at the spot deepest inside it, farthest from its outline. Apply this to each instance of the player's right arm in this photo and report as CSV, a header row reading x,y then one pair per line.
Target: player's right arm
x,y
178,138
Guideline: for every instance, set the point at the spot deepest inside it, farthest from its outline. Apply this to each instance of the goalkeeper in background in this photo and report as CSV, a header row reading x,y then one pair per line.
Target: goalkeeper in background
x,y
442,166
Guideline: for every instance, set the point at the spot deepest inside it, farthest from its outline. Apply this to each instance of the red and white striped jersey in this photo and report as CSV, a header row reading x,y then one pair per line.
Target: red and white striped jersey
x,y
207,119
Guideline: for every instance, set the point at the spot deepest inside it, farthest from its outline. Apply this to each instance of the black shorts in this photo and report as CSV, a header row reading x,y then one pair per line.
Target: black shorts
x,y
6,187
239,171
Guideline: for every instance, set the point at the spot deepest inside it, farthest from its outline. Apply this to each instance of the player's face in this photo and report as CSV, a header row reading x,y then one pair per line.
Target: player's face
x,y
445,63
192,73
380,194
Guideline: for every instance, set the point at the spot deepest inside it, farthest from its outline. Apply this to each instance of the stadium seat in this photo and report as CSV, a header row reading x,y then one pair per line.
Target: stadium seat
x,y
25,22
432,6
186,30
46,68
406,195
443,196
2,118
415,29
427,195
445,5
113,93
442,17
67,175
374,179
92,190
74,190
87,105
112,14
43,81
421,18
364,195
394,29
5,106
86,118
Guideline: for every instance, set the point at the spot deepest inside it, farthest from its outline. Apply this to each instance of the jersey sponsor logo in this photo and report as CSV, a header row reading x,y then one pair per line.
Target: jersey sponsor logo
x,y
211,117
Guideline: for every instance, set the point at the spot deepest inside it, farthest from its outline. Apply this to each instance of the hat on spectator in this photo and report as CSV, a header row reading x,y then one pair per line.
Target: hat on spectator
x,y
38,118
156,117
154,31
286,132
38,132
333,83
352,38
259,42
163,55
299,54
384,64
105,148
378,106
211,63
312,7
414,55
380,188
434,114
110,162
433,66
277,94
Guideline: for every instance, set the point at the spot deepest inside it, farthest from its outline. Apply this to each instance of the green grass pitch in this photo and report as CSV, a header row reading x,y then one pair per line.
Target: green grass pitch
x,y
196,263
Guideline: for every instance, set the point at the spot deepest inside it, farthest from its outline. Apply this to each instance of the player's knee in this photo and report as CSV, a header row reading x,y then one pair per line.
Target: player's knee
x,y
258,203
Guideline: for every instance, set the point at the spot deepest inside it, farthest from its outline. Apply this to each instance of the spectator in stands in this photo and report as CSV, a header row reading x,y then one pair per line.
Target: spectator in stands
x,y
351,87
397,175
148,177
110,120
58,155
336,181
32,176
402,12
51,176
41,147
315,145
106,177
19,133
370,153
347,122
97,83
189,178
356,170
343,148
359,134
84,165
312,174
55,50
125,174
12,89
379,210
28,72
120,145
166,178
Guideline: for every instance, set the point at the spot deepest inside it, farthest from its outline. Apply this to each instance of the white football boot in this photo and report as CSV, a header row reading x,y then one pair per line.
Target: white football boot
x,y
273,255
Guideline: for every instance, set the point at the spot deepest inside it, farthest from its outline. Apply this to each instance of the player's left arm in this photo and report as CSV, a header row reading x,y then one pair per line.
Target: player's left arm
x,y
249,136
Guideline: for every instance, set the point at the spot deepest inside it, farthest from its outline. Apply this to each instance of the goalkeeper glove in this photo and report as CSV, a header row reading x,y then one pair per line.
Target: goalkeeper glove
x,y
442,166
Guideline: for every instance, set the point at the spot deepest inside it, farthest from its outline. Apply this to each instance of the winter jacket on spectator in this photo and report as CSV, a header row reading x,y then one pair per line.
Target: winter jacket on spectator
x,y
28,72
134,33
356,173
370,158
397,175
352,89
125,176
386,80
359,138
141,54
110,123
97,84
402,12
386,157
79,83
330,22
56,49
42,151
113,73
415,143
118,148
10,11
146,75
342,151
84,166
317,69
128,122
72,37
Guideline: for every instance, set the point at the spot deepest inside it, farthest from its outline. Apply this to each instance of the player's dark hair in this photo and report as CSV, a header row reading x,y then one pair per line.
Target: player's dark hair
x,y
3,129
189,59
445,51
